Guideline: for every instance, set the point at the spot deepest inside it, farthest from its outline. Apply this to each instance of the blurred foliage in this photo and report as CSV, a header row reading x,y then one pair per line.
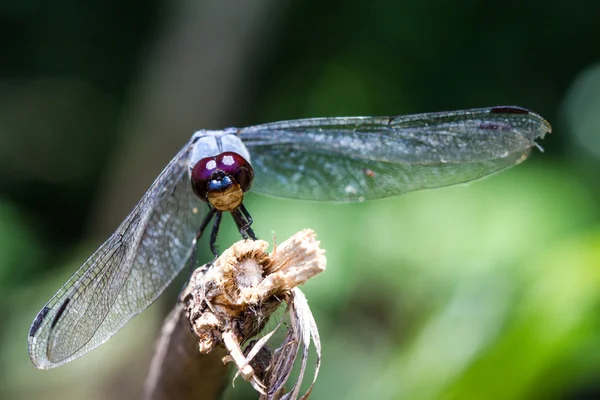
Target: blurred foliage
x,y
486,290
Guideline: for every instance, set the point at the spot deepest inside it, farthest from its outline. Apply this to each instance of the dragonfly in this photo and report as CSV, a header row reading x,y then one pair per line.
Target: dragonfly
x,y
338,159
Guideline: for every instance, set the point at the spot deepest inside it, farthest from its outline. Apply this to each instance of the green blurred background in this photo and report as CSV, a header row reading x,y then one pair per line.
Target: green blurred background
x,y
488,290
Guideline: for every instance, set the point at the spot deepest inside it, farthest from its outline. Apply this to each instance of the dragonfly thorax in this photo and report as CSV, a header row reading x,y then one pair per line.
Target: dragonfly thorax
x,y
222,180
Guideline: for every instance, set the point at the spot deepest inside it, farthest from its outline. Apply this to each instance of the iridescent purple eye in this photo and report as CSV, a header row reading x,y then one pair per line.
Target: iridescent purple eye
x,y
244,177
237,167
201,174
221,172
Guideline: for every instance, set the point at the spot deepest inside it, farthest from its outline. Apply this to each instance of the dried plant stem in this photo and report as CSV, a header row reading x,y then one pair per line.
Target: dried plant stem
x,y
178,370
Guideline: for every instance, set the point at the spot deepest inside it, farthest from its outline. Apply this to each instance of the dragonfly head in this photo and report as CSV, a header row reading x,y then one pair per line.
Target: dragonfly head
x,y
222,180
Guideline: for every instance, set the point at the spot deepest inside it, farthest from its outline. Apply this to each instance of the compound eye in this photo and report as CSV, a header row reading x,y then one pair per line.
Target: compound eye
x,y
237,167
244,177
201,174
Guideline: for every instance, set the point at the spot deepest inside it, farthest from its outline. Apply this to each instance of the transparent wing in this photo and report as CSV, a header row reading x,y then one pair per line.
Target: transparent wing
x,y
125,275
358,158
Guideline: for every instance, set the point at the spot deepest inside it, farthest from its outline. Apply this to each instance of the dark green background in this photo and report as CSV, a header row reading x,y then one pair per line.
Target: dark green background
x,y
487,290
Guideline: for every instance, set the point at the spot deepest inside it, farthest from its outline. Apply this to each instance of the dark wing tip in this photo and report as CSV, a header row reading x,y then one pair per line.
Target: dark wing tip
x,y
37,322
509,110
60,312
523,111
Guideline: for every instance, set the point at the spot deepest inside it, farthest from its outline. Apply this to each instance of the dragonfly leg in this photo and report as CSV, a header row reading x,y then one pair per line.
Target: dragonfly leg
x,y
249,221
243,220
205,221
240,222
250,233
214,233
211,212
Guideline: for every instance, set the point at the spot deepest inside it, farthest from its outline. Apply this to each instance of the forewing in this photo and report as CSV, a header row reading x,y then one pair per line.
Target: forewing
x,y
358,158
126,274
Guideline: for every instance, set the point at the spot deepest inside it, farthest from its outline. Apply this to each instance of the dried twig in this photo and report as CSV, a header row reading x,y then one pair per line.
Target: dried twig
x,y
178,370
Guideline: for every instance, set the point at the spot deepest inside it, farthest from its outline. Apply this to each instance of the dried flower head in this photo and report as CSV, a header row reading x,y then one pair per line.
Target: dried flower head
x,y
230,302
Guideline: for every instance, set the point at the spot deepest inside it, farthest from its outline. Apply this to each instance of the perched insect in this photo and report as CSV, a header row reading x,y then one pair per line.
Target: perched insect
x,y
339,159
